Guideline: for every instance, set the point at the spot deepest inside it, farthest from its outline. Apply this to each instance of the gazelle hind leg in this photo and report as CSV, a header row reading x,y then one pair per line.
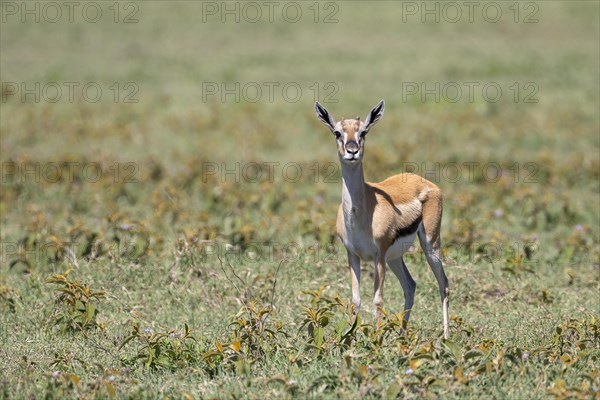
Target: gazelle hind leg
x,y
408,284
429,237
434,260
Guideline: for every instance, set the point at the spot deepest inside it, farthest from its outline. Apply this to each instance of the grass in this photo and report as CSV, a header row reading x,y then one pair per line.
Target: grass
x,y
160,278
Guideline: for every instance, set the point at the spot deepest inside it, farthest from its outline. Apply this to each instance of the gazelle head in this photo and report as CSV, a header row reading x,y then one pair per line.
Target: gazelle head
x,y
350,133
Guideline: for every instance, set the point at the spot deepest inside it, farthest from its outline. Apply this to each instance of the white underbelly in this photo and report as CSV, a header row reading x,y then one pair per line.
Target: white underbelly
x,y
365,248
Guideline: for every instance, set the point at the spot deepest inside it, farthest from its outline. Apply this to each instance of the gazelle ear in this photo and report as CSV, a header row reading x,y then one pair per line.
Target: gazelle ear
x,y
324,116
375,115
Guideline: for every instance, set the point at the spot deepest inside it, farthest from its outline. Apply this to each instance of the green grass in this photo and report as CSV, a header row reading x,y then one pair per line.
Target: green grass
x,y
186,309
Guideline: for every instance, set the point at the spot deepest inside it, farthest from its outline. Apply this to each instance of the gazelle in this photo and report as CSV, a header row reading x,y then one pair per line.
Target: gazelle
x,y
378,221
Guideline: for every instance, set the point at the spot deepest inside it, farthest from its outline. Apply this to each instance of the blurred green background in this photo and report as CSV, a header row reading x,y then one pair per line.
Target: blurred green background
x,y
368,54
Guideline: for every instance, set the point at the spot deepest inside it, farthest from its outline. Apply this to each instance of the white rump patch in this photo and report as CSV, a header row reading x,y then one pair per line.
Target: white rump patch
x,y
423,195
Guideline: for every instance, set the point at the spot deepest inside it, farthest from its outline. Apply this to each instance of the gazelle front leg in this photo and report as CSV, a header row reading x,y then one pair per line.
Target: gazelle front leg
x,y
354,262
378,295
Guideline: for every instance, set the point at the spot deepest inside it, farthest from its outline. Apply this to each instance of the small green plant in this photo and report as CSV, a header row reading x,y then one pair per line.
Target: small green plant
x,y
226,358
255,336
75,308
162,350
330,322
67,362
7,299
255,331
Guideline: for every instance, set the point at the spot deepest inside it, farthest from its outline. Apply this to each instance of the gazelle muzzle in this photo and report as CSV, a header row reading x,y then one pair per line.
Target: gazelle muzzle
x,y
352,150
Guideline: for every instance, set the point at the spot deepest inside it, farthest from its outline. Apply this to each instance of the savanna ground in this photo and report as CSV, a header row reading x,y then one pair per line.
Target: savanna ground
x,y
195,274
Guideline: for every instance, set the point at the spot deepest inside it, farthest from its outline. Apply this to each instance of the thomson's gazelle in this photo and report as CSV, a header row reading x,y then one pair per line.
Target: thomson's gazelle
x,y
378,221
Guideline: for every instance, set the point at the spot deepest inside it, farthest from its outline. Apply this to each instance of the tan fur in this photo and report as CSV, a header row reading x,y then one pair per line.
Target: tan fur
x,y
351,127
384,213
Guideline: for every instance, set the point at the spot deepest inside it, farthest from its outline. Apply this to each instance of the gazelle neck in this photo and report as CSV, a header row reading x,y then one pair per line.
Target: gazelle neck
x,y
353,188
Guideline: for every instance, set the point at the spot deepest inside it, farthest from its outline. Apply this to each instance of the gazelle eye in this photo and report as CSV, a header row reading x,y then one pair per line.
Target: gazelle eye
x,y
363,134
337,134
